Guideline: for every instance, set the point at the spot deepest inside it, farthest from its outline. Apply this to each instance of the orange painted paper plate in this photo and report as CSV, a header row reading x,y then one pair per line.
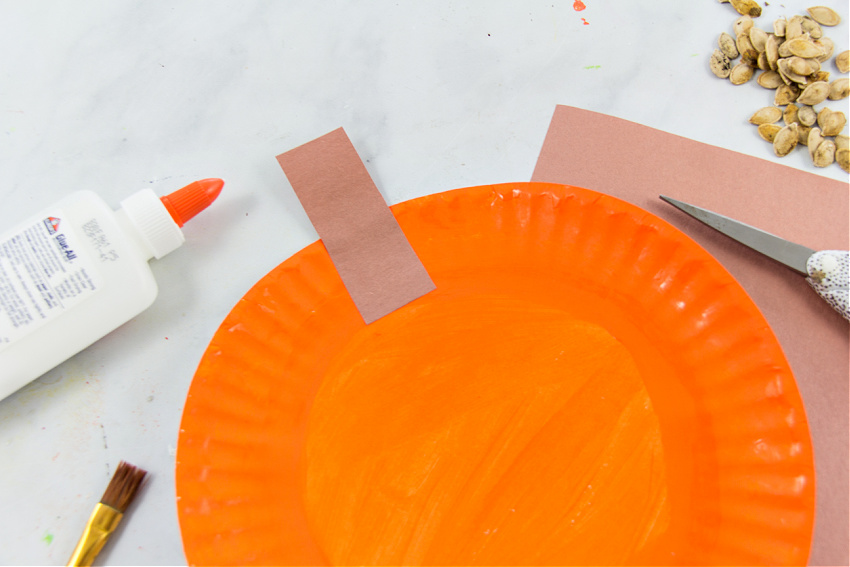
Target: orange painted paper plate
x,y
586,385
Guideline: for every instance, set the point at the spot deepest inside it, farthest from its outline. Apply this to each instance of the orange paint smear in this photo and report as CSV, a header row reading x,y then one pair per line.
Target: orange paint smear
x,y
452,426
585,22
578,6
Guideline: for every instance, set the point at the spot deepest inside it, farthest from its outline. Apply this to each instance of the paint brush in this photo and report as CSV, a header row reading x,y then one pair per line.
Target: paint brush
x,y
108,512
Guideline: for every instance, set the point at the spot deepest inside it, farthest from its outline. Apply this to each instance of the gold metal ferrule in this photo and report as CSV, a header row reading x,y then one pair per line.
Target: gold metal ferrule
x,y
101,524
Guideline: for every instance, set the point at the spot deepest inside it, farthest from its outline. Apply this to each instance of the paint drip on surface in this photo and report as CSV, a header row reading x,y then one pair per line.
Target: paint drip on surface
x,y
432,441
578,6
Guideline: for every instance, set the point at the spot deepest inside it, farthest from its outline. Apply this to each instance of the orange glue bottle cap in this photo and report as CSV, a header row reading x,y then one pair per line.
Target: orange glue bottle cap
x,y
187,202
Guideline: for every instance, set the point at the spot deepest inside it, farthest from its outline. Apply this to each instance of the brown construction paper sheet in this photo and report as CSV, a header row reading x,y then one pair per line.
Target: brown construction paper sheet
x,y
637,163
378,266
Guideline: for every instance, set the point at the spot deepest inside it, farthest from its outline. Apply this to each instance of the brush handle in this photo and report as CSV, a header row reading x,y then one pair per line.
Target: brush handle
x,y
102,522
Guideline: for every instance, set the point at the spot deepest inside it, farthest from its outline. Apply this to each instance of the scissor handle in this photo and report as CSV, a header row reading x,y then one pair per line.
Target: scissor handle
x,y
829,276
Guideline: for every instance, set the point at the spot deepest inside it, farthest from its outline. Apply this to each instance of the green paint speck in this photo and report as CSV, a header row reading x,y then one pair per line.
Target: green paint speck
x,y
694,54
593,67
48,538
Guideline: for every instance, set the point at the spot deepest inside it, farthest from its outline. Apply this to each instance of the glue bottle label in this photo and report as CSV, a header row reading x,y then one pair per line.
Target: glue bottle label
x,y
43,272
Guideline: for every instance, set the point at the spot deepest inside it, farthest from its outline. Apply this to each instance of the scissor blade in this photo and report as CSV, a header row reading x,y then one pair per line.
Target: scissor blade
x,y
788,253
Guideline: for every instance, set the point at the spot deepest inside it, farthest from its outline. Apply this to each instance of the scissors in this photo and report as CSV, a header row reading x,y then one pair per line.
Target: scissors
x,y
827,271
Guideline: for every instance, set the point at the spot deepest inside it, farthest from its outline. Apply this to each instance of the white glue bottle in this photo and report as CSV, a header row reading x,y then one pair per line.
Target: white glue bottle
x,y
78,270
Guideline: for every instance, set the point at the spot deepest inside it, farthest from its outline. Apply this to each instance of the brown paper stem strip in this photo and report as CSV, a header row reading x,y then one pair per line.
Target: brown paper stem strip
x,y
379,268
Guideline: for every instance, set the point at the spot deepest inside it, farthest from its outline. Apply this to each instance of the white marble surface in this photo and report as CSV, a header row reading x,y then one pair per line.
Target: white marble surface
x,y
118,95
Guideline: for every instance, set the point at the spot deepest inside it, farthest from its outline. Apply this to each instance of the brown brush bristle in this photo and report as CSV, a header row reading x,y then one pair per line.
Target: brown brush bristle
x,y
123,486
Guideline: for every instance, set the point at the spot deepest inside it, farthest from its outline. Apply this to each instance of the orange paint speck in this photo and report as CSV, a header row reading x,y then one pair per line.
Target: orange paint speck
x,y
585,22
578,6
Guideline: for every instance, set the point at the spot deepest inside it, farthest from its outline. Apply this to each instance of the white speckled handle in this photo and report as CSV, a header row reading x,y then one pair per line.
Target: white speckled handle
x,y
829,276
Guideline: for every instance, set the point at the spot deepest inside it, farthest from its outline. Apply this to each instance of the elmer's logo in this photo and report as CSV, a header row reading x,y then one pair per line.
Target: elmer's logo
x,y
52,224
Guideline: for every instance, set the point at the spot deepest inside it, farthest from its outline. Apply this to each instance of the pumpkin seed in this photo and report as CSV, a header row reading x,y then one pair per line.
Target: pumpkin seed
x,y
824,154
802,47
839,89
803,66
727,45
769,79
747,7
842,61
790,114
779,26
781,70
743,43
766,115
819,76
815,93
815,138
831,122
812,28
827,47
842,142
803,134
750,57
720,64
742,25
794,28
824,16
806,115
740,74
785,94
785,70
834,124
768,131
771,51
758,37
785,140
842,156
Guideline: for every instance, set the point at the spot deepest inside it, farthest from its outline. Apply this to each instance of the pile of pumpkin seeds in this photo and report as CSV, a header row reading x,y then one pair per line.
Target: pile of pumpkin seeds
x,y
794,60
